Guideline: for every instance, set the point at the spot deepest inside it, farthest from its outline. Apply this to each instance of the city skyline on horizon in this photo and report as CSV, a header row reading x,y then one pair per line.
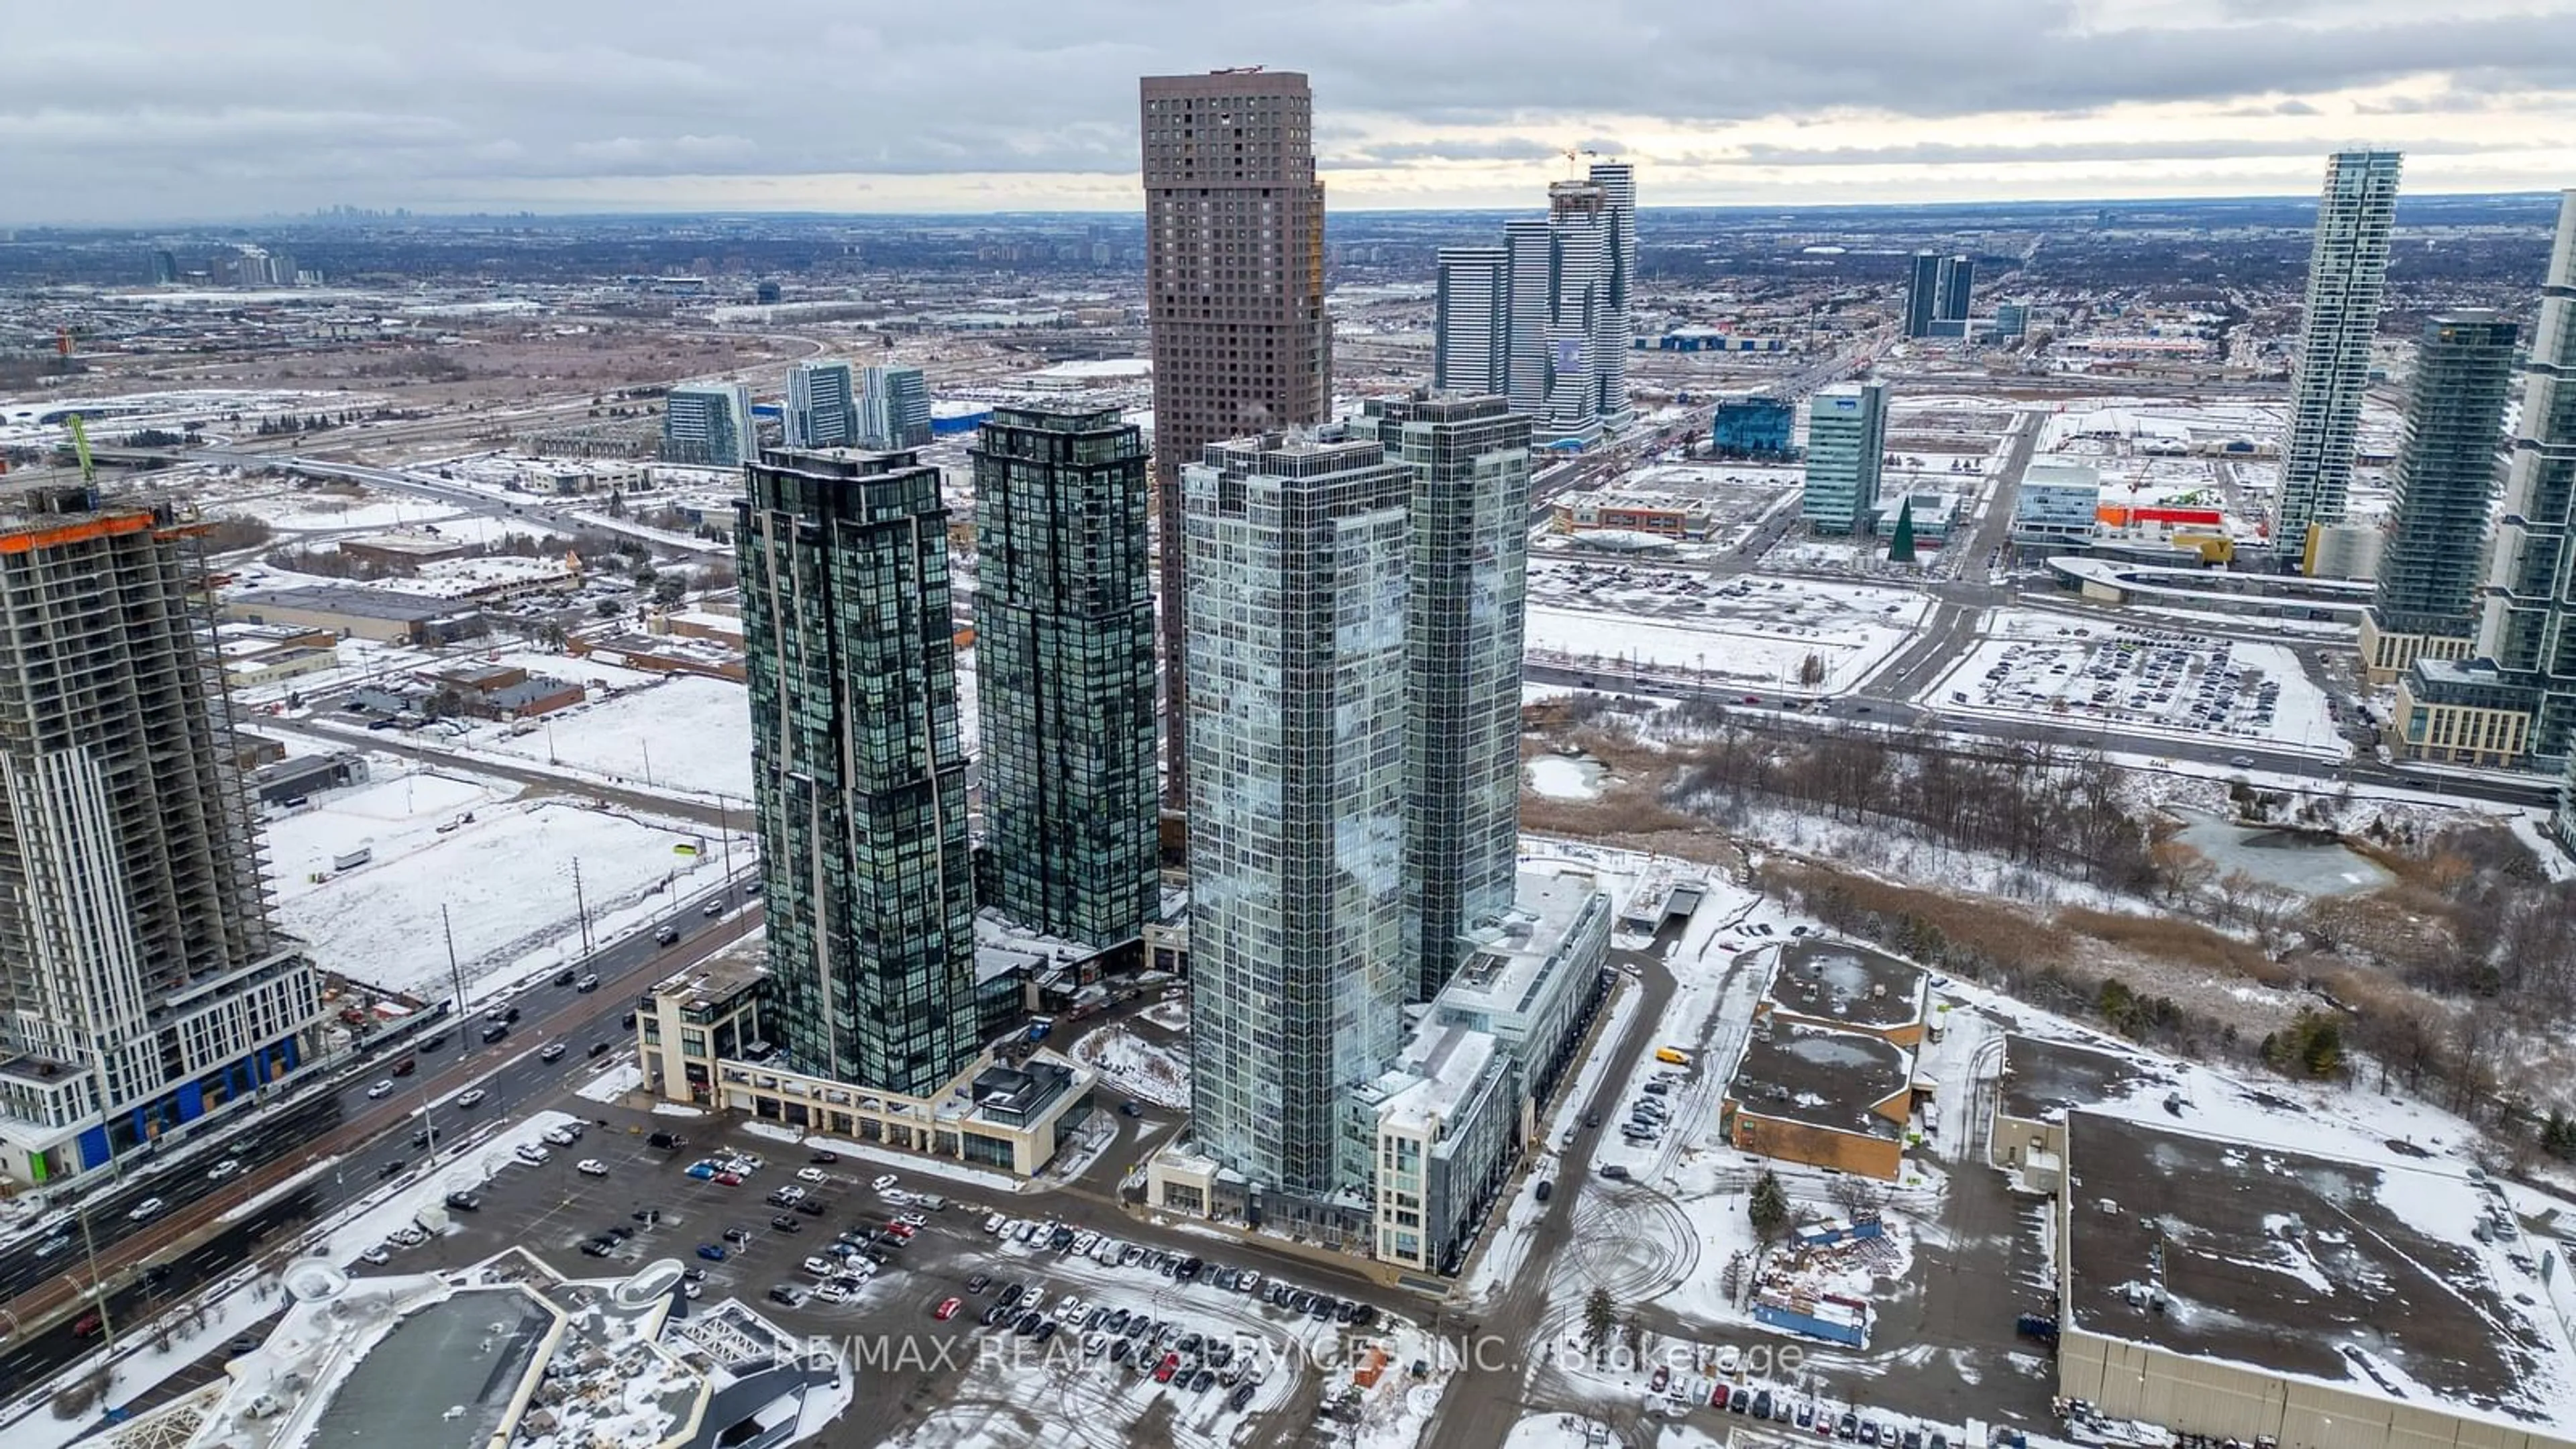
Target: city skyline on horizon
x,y
1439,107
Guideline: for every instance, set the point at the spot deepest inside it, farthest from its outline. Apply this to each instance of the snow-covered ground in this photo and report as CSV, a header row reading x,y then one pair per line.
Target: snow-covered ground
x,y
688,734
503,882
2144,679
1764,632
1138,1067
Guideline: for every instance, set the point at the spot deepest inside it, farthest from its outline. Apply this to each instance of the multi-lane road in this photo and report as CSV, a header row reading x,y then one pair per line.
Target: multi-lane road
x,y
46,1275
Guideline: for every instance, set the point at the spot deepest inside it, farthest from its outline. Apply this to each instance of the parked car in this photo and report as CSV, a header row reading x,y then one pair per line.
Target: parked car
x,y
712,1252
591,1167
464,1202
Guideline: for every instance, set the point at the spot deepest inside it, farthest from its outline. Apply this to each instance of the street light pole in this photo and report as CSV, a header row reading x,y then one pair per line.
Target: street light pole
x,y
724,829
97,1287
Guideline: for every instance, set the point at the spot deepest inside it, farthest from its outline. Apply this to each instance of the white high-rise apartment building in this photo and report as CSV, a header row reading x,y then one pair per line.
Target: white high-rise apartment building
x,y
1558,292
708,423
2528,625
2347,273
1475,324
822,405
894,408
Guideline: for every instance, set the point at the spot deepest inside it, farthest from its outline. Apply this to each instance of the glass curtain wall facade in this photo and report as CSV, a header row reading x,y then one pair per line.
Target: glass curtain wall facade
x,y
858,771
1470,462
1064,637
2446,477
1296,561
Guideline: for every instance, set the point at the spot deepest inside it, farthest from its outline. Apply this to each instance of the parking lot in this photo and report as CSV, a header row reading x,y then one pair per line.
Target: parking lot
x,y
1187,1339
2133,676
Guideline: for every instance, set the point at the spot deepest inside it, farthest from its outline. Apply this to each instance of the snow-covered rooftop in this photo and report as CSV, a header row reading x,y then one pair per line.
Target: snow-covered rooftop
x,y
2400,1279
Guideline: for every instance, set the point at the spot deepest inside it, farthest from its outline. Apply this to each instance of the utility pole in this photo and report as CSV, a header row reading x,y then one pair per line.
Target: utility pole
x,y
580,906
455,973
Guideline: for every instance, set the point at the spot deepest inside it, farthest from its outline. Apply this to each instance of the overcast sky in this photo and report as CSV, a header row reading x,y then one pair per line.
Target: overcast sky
x,y
155,110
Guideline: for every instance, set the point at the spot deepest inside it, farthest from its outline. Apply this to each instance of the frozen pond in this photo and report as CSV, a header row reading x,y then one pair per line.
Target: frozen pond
x,y
2311,865
1561,777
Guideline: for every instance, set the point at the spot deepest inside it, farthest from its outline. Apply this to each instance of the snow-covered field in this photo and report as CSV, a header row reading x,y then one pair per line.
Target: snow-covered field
x,y
1751,630
2141,678
505,879
689,734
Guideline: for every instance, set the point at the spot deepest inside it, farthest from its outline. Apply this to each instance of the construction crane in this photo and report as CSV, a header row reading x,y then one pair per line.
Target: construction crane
x,y
80,450
1573,166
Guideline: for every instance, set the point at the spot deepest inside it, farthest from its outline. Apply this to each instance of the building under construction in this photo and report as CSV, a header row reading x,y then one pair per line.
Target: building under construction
x,y
142,988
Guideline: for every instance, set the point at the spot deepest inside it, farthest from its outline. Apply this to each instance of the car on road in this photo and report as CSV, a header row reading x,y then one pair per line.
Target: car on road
x,y
2241,762
564,977
588,982
1541,1191
591,1167
1130,1109
713,908
471,1097
787,1296
381,1090
977,1284
712,1252
146,1210
495,1032
809,1174
224,1171
666,936
947,1309
825,1158
553,1052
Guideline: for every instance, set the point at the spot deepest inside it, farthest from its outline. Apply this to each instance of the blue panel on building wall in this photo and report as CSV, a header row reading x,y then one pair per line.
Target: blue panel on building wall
x,y
294,1058
192,1102
142,1124
93,1148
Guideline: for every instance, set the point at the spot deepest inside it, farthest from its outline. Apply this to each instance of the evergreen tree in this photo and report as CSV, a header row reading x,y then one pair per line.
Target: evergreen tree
x,y
1770,1207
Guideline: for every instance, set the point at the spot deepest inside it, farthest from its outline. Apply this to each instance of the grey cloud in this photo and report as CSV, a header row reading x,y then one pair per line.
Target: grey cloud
x,y
1930,153
146,108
